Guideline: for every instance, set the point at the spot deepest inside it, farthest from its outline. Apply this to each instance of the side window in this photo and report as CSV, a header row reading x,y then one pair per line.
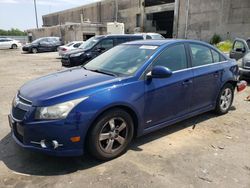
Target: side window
x,y
106,44
148,37
216,56
121,40
77,45
238,45
201,55
173,58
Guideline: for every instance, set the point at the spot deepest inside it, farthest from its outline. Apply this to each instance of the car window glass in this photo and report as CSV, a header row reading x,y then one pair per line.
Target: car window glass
x,y
77,45
173,58
121,40
238,45
248,43
201,55
148,37
106,44
216,56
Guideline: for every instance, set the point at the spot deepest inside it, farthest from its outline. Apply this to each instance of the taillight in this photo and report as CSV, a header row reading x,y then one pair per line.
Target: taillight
x,y
64,49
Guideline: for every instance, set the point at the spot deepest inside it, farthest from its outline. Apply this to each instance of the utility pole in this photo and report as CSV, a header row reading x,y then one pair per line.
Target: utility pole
x,y
36,14
116,10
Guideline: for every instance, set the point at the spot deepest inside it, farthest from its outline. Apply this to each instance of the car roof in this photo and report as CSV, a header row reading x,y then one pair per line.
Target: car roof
x,y
163,42
117,35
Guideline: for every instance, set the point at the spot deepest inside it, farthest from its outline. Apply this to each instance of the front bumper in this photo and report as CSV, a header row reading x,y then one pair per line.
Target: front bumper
x,y
71,61
26,49
244,72
29,136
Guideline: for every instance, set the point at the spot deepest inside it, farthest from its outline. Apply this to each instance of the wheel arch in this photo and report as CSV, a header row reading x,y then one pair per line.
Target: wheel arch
x,y
126,108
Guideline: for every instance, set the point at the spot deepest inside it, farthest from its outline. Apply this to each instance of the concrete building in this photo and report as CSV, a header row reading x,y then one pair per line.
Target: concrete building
x,y
194,19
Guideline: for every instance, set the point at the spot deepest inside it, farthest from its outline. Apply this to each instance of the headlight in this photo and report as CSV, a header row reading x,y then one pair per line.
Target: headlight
x,y
76,55
58,111
240,62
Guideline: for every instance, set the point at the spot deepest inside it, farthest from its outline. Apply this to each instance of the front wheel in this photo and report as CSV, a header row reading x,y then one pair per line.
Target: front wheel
x,y
111,135
225,99
34,50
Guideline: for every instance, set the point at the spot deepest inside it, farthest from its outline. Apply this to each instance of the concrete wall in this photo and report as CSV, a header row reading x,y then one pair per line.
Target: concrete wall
x,y
69,32
228,18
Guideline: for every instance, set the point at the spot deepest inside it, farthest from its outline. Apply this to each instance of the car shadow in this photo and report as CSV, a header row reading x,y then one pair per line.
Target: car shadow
x,y
27,162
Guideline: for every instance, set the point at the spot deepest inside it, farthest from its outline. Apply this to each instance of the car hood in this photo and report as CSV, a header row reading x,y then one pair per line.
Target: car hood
x,y
64,85
247,57
75,51
30,44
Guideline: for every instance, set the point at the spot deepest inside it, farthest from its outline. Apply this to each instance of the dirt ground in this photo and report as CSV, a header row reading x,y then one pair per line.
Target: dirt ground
x,y
204,151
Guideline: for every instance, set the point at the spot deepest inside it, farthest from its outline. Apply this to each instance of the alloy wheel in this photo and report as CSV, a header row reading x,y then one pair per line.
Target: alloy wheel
x,y
113,135
226,99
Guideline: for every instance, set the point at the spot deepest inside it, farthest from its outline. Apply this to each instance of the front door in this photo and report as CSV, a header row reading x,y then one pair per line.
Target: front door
x,y
239,50
169,98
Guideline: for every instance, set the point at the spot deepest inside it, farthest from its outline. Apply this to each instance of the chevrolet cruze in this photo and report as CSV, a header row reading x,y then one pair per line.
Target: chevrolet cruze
x,y
131,90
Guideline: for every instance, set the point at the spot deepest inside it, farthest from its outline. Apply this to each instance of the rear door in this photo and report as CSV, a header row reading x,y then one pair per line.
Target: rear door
x,y
207,72
102,46
239,49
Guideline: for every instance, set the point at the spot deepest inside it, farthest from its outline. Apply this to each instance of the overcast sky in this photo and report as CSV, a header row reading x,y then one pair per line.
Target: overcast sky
x,y
21,14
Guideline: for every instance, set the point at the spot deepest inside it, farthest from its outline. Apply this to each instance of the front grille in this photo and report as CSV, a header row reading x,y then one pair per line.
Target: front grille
x,y
17,135
23,100
247,64
20,107
18,113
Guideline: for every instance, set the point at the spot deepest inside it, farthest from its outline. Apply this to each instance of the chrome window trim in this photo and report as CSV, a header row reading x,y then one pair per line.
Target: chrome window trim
x,y
200,66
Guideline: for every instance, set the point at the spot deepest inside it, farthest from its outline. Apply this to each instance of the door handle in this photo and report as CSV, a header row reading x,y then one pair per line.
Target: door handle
x,y
187,82
216,74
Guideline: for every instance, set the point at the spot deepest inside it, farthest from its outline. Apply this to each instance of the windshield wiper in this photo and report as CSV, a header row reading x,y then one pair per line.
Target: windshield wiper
x,y
102,72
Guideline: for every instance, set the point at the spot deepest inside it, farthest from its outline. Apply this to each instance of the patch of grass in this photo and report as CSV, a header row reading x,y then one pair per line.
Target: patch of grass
x,y
225,46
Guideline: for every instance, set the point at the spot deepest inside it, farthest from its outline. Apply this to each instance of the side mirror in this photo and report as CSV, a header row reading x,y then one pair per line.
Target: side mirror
x,y
160,72
243,50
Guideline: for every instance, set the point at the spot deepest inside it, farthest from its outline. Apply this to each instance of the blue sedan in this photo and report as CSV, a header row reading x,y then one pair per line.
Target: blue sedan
x,y
130,90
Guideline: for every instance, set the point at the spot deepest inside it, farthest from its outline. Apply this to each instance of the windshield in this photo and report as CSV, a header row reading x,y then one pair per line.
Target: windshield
x,y
37,40
90,43
122,60
248,43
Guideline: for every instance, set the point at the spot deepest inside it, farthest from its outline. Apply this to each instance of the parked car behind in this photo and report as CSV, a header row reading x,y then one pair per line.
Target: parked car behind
x,y
130,90
241,52
94,47
148,36
8,43
45,44
69,47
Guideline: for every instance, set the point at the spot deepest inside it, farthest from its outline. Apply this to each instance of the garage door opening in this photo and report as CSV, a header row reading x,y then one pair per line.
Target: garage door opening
x,y
162,22
87,36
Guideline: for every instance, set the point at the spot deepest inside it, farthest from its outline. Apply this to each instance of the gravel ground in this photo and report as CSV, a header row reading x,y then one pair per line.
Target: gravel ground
x,y
204,151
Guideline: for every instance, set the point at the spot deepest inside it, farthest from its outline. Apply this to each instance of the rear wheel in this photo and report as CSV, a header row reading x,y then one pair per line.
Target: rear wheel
x,y
225,99
110,135
13,46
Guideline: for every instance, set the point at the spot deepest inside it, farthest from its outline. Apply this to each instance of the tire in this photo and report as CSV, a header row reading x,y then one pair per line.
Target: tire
x,y
110,135
225,99
13,46
34,50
